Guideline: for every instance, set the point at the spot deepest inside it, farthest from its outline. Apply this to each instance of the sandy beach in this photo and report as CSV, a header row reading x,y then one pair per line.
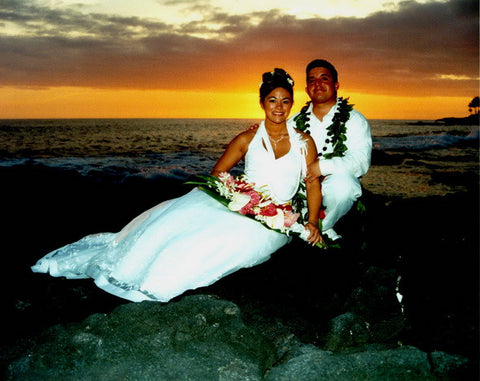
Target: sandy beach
x,y
422,174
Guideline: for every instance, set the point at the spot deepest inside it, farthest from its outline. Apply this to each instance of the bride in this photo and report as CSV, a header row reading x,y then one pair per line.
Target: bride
x,y
194,240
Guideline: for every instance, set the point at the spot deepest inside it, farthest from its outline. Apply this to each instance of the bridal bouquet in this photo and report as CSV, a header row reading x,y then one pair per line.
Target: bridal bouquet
x,y
255,202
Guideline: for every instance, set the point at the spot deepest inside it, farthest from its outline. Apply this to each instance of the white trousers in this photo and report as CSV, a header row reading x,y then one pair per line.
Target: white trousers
x,y
339,192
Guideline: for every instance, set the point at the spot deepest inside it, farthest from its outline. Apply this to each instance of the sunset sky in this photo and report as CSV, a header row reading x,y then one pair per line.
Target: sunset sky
x,y
204,58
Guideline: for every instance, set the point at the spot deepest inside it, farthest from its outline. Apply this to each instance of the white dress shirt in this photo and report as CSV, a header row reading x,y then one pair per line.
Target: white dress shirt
x,y
356,159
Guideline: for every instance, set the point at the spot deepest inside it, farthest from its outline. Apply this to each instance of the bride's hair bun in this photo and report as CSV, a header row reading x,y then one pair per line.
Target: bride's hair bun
x,y
273,79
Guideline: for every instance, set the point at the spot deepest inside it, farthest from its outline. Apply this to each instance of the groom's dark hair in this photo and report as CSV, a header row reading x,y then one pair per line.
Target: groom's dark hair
x,y
326,65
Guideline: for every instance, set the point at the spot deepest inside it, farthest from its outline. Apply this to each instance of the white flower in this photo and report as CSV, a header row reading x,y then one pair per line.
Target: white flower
x,y
300,229
223,190
290,81
276,222
238,201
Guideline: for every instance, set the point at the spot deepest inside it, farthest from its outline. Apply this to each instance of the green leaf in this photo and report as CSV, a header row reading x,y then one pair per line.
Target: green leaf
x,y
361,208
215,196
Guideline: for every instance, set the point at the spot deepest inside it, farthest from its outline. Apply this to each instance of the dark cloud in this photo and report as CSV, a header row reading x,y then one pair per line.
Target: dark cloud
x,y
388,52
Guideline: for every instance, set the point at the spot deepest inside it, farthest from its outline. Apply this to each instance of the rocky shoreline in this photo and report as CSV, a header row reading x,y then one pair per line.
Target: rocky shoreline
x,y
471,120
334,314
201,337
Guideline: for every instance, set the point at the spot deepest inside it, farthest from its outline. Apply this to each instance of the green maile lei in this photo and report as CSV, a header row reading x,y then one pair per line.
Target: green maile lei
x,y
335,131
336,135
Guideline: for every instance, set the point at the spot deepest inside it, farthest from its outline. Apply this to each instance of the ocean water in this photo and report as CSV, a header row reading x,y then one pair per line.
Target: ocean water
x,y
179,148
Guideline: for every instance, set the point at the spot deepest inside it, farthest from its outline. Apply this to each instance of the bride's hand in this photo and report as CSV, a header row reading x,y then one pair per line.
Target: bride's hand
x,y
313,171
315,236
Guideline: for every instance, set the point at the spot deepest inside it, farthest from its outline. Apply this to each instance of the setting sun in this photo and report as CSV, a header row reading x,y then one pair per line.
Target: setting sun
x,y
71,102
117,59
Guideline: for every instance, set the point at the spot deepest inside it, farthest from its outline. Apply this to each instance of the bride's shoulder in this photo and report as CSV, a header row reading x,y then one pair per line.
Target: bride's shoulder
x,y
246,136
308,142
241,141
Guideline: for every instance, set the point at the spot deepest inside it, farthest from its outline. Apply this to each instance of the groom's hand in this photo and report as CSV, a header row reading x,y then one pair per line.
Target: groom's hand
x,y
252,127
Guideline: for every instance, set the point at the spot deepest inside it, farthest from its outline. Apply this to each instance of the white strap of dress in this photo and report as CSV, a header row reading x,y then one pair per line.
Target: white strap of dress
x,y
262,131
298,145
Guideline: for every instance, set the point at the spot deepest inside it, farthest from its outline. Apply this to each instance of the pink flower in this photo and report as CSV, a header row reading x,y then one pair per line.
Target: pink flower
x,y
226,178
290,218
243,187
254,200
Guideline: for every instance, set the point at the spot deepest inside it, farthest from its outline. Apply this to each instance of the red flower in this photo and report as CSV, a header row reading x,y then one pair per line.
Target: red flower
x,y
322,214
286,207
269,211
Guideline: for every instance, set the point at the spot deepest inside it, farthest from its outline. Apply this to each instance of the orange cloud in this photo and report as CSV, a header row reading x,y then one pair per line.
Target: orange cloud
x,y
96,65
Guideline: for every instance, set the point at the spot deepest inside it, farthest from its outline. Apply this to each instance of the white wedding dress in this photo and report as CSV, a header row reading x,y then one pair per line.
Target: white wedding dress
x,y
187,242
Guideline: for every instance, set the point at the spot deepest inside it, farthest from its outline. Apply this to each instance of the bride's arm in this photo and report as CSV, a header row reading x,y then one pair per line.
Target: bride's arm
x,y
314,196
235,151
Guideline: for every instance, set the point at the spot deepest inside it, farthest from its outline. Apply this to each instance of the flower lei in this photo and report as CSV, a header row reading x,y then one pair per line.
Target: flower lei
x,y
335,131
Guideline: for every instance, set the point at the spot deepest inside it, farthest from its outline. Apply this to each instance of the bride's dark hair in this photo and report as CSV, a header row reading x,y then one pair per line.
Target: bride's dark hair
x,y
273,79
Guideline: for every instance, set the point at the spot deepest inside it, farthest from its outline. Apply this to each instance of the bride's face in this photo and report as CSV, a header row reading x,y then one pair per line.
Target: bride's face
x,y
277,105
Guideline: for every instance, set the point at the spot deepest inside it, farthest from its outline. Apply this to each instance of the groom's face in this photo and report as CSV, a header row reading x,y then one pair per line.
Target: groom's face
x,y
320,85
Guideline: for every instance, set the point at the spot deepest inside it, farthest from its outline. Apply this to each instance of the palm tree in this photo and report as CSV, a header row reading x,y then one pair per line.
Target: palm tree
x,y
474,105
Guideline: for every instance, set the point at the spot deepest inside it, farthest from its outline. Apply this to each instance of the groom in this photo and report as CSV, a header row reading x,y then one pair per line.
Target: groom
x,y
343,140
